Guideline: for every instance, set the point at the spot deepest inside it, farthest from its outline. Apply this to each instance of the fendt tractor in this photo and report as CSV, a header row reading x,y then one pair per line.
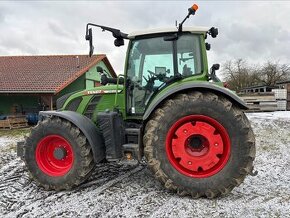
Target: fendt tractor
x,y
167,106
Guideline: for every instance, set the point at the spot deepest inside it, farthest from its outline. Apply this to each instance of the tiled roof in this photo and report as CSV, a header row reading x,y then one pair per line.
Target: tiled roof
x,y
44,74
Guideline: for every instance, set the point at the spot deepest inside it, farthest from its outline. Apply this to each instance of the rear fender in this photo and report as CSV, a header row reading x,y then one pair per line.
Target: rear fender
x,y
199,86
87,127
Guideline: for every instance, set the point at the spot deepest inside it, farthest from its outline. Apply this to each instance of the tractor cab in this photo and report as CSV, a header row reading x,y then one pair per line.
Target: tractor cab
x,y
158,58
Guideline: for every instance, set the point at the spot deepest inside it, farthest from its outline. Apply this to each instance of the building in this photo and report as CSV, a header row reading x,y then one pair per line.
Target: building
x,y
32,83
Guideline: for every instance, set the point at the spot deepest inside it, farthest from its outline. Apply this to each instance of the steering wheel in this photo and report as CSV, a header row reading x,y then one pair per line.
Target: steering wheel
x,y
155,76
152,73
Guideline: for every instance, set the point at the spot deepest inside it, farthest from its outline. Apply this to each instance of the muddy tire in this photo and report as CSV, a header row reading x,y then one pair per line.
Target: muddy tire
x,y
199,144
57,155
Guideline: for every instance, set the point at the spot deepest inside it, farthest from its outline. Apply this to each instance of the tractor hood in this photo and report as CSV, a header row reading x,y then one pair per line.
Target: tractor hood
x,y
64,100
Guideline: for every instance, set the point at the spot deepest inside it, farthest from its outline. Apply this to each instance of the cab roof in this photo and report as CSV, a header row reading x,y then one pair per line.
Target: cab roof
x,y
195,29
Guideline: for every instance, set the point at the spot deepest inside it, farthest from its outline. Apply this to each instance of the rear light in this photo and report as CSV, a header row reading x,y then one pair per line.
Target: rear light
x,y
226,85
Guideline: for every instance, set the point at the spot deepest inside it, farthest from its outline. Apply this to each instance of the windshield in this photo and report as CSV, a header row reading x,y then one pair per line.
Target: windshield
x,y
151,65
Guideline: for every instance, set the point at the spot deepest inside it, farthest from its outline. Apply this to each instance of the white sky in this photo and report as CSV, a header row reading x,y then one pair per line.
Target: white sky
x,y
253,30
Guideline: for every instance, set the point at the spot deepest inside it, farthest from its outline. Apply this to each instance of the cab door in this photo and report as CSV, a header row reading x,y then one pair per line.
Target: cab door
x,y
153,62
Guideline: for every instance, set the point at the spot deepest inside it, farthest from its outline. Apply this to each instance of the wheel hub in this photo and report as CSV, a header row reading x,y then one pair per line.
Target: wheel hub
x,y
198,146
59,153
195,142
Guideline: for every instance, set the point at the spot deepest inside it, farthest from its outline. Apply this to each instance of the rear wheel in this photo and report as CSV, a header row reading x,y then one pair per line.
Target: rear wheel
x,y
199,144
58,155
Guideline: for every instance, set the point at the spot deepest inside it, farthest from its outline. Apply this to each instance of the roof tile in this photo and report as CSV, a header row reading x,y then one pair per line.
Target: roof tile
x,y
43,73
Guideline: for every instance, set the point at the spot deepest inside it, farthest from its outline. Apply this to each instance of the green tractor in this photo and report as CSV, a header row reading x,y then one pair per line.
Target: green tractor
x,y
168,106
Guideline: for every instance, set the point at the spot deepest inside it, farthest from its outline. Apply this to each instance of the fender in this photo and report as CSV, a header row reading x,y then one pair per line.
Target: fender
x,y
193,86
87,127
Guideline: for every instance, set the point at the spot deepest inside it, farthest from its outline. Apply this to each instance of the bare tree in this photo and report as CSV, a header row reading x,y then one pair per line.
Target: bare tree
x,y
273,72
239,75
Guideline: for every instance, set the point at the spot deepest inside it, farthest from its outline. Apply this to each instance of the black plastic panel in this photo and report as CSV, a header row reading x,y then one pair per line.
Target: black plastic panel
x,y
74,104
112,127
61,100
92,106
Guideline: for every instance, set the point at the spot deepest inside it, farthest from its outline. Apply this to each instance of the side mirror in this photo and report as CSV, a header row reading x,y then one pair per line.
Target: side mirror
x,y
213,76
119,42
213,32
89,37
215,67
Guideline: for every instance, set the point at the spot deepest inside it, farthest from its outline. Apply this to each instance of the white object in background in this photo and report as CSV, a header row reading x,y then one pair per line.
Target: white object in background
x,y
280,93
281,105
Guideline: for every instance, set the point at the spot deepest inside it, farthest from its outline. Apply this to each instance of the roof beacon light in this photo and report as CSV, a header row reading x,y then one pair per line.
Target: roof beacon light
x,y
194,7
191,11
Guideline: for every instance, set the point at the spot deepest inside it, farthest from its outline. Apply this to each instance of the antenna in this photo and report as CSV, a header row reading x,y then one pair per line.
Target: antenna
x,y
191,11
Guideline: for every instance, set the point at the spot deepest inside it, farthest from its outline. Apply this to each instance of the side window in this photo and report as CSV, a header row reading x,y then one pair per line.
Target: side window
x,y
186,63
188,55
134,62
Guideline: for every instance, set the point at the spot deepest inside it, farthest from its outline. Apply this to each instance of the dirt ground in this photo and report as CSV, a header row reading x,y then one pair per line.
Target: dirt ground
x,y
129,190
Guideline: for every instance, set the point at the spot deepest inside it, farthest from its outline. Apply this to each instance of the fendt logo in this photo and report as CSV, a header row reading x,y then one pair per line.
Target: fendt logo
x,y
93,92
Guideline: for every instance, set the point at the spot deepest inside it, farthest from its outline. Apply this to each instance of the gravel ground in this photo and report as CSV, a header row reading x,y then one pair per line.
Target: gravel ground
x,y
129,190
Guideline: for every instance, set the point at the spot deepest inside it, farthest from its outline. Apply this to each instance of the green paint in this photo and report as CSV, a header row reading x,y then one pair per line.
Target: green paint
x,y
86,81
108,100
77,85
111,101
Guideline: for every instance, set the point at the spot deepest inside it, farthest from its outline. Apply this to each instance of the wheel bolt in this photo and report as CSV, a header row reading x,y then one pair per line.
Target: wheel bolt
x,y
189,162
216,144
185,131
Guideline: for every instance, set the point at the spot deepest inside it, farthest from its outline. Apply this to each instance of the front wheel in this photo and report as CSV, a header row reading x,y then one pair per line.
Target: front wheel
x,y
199,144
58,155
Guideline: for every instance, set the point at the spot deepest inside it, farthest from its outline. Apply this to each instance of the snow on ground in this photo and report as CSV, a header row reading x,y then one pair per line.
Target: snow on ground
x,y
118,190
5,141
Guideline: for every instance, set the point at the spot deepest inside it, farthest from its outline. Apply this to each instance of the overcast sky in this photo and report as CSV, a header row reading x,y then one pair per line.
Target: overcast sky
x,y
253,30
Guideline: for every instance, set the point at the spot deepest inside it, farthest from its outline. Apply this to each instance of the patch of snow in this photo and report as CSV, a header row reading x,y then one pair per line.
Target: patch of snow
x,y
270,115
5,141
118,190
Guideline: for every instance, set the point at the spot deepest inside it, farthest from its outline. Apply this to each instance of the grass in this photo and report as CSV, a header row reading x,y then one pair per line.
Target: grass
x,y
14,132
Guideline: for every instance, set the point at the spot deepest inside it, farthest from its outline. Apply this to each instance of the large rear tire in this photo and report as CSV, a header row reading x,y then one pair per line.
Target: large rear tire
x,y
199,144
57,155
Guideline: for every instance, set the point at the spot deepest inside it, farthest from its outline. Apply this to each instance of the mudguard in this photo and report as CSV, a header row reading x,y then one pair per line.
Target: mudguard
x,y
87,127
200,86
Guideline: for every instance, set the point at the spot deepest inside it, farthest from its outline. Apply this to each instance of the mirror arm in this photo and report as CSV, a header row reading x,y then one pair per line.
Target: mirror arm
x,y
115,32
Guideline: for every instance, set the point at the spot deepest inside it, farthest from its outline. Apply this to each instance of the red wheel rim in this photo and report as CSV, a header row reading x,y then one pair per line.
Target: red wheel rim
x,y
54,155
198,146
